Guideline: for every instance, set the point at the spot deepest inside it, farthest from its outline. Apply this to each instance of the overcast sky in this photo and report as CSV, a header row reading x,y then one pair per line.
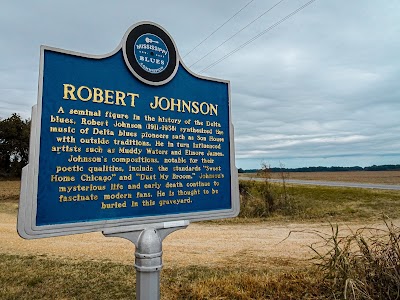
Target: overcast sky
x,y
322,88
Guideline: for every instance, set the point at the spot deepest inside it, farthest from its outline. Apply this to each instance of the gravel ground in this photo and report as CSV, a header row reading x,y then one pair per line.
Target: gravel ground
x,y
199,244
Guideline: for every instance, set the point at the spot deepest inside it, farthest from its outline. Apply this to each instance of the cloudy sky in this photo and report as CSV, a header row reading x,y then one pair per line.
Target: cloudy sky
x,y
321,88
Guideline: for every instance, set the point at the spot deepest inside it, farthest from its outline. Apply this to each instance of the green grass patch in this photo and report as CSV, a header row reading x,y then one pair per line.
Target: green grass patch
x,y
344,204
317,203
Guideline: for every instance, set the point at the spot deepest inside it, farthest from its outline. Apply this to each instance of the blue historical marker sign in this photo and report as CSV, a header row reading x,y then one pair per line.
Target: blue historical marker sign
x,y
129,138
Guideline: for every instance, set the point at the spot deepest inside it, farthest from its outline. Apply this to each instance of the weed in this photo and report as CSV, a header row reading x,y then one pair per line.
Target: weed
x,y
362,265
262,199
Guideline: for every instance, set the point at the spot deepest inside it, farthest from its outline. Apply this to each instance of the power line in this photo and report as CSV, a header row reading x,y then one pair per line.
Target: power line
x,y
243,28
217,29
257,36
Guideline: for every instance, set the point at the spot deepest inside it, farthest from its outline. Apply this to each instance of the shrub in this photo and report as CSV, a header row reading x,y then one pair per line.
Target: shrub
x,y
261,199
362,265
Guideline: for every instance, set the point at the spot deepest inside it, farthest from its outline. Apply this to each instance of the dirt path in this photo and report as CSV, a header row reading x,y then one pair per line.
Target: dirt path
x,y
199,244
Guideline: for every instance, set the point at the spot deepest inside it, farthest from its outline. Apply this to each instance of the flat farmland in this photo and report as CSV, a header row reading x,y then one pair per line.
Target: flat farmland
x,y
244,258
377,177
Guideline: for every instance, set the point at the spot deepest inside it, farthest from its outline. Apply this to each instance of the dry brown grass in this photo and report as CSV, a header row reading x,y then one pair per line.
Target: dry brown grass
x,y
9,191
362,265
376,177
9,196
34,277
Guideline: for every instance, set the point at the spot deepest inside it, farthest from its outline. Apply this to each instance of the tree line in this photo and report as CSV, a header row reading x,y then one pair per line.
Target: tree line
x,y
14,145
328,169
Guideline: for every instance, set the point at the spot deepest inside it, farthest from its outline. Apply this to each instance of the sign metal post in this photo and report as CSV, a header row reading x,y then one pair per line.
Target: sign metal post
x,y
148,255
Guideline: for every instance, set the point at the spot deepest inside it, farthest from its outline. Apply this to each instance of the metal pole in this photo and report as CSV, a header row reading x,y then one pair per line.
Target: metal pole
x,y
148,254
148,264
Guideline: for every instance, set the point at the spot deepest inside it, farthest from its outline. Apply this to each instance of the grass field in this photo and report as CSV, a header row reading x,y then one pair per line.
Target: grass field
x,y
44,278
308,203
9,196
245,277
377,177
343,204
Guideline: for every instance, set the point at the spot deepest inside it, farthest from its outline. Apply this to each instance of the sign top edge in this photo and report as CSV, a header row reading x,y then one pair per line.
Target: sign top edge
x,y
120,47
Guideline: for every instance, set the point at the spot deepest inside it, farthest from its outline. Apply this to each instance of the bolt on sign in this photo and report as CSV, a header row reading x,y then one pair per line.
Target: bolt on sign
x,y
129,138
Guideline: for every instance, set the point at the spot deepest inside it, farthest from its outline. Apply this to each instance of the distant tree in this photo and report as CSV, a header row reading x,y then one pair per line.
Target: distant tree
x,y
14,145
382,168
337,169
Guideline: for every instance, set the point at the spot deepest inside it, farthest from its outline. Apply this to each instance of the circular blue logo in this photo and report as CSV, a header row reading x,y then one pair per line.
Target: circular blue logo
x,y
151,53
